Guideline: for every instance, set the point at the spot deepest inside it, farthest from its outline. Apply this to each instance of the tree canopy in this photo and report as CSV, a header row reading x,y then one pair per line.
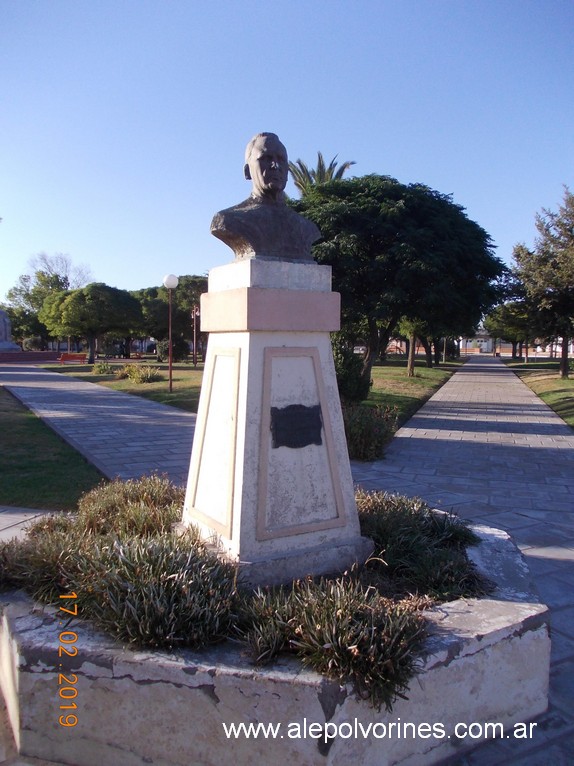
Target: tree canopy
x,y
547,271
91,311
154,302
52,302
514,322
49,274
401,250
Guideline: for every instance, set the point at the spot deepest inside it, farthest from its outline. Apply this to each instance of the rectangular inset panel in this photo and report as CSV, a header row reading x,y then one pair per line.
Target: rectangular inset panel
x,y
212,495
299,489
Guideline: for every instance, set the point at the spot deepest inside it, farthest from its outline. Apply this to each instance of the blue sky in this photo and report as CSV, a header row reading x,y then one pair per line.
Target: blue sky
x,y
123,123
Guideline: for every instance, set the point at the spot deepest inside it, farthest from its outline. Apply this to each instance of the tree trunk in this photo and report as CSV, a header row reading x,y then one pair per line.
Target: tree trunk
x,y
385,337
372,351
564,363
437,349
411,356
428,350
91,349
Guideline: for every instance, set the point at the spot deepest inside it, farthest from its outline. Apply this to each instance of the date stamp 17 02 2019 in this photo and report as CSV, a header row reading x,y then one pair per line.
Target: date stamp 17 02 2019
x,y
67,691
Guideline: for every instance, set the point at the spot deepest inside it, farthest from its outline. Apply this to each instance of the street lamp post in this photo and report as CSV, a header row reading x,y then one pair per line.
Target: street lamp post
x,y
171,282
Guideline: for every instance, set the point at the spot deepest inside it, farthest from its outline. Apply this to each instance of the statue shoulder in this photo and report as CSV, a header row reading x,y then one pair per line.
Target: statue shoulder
x,y
231,215
308,228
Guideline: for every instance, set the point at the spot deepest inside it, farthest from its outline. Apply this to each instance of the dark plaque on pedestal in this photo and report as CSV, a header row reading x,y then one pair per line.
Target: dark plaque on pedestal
x,y
296,426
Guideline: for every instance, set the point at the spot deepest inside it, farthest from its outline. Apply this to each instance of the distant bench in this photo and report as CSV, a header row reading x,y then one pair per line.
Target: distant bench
x,y
68,357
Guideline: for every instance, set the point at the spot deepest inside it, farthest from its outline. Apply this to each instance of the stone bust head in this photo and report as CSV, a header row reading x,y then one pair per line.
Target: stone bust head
x,y
266,166
263,226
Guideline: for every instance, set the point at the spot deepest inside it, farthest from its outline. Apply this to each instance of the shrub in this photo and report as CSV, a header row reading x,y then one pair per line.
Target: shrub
x,y
342,629
179,350
420,549
144,374
146,506
39,562
34,343
138,373
353,385
122,373
159,591
103,368
368,429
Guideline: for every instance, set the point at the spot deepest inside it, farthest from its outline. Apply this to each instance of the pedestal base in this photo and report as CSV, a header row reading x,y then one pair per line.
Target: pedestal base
x,y
270,474
294,565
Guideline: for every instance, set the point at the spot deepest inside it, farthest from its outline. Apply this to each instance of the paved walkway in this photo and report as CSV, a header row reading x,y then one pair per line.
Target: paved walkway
x,y
122,435
483,446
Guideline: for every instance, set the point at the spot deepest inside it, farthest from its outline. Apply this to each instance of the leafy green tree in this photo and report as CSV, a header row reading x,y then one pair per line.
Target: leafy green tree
x,y
154,312
52,317
49,274
413,329
304,178
188,292
512,322
401,251
31,291
547,271
154,303
90,312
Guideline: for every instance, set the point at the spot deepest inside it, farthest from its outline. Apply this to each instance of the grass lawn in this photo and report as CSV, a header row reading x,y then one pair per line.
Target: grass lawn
x,y
37,468
542,376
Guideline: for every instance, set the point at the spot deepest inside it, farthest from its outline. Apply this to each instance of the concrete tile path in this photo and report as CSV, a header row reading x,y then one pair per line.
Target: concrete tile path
x,y
123,436
13,521
484,446
487,448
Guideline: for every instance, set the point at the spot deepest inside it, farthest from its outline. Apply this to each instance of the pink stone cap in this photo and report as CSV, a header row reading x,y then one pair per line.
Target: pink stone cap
x,y
251,308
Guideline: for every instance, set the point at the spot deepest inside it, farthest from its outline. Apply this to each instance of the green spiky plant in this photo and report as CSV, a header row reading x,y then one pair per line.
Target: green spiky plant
x,y
150,586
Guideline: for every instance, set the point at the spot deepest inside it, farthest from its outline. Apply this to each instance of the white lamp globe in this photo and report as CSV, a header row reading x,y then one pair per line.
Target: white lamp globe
x,y
170,281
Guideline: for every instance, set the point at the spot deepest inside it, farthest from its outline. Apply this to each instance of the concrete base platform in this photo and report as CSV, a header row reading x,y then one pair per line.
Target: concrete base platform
x,y
486,663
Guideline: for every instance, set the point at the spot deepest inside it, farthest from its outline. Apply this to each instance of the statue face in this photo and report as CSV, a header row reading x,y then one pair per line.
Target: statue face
x,y
267,166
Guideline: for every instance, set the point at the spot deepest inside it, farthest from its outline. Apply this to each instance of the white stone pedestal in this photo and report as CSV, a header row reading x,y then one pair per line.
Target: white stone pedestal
x,y
269,473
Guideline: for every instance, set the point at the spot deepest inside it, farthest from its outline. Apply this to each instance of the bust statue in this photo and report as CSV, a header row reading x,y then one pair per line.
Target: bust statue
x,y
5,331
6,342
262,226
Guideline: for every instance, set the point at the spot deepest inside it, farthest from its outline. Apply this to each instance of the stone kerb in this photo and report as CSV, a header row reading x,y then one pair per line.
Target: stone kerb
x,y
486,660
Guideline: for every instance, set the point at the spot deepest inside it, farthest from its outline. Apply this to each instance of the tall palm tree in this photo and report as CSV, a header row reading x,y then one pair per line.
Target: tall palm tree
x,y
304,178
